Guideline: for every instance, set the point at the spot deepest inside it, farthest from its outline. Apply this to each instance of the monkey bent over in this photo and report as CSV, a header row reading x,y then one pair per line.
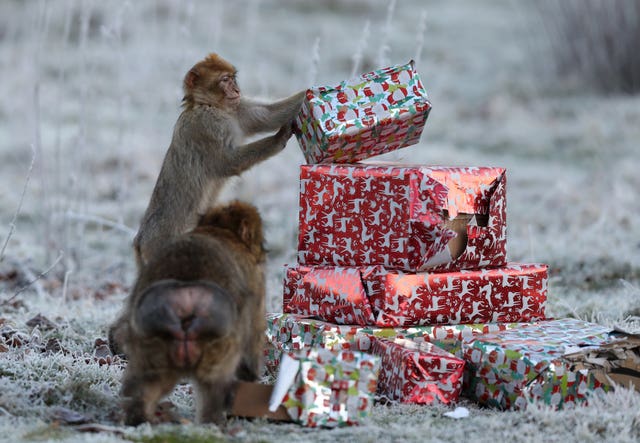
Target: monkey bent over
x,y
196,311
207,149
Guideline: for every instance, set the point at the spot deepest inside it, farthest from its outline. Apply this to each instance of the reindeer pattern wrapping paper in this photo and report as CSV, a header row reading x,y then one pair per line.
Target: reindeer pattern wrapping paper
x,y
416,372
376,296
395,216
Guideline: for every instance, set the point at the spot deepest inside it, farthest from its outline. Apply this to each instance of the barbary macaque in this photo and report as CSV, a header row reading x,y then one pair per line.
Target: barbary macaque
x,y
207,149
196,312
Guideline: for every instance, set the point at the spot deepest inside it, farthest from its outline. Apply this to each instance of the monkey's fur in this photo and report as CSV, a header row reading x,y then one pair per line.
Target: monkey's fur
x,y
206,149
196,311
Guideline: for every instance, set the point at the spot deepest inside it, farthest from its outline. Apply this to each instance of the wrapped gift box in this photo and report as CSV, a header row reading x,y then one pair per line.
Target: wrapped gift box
x,y
513,293
290,332
320,387
410,218
335,295
508,369
417,372
374,113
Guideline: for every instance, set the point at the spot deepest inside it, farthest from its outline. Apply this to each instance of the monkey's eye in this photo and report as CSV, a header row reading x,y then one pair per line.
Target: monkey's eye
x,y
228,78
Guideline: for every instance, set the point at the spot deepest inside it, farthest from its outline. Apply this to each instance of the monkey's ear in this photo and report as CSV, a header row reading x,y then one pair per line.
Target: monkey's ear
x,y
191,78
245,232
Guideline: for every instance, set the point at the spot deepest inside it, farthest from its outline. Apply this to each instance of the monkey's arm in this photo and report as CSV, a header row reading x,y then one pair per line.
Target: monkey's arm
x,y
243,157
257,117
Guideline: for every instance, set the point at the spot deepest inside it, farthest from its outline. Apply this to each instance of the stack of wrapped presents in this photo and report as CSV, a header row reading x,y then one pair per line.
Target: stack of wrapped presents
x,y
407,264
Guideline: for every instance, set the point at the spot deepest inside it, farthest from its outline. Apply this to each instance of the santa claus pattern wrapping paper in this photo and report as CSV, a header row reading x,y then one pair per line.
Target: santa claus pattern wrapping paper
x,y
509,369
291,332
377,112
332,388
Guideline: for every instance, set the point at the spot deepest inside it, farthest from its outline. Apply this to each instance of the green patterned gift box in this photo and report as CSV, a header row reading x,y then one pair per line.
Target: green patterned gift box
x,y
509,369
324,388
291,332
374,113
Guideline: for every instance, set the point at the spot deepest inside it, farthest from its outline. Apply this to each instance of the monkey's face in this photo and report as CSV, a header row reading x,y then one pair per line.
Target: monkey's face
x,y
180,322
212,82
228,84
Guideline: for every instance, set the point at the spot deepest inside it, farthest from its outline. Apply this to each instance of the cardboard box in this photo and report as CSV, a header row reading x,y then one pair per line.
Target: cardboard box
x,y
320,387
416,372
290,332
513,293
616,363
402,217
548,361
252,400
374,113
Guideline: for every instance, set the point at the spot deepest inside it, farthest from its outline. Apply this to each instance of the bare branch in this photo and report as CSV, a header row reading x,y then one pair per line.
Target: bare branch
x,y
383,53
89,218
35,279
358,54
65,284
314,62
12,225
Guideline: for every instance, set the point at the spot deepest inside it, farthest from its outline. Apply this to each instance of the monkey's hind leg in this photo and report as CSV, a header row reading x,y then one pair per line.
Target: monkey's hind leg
x,y
213,401
141,394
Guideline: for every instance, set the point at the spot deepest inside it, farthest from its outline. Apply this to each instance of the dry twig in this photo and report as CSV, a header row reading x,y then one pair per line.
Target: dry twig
x,y
34,280
12,225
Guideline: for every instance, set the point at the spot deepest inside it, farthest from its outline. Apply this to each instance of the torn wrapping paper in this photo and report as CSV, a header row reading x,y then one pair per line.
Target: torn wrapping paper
x,y
402,217
320,387
616,363
374,113
336,294
416,372
290,332
376,296
508,369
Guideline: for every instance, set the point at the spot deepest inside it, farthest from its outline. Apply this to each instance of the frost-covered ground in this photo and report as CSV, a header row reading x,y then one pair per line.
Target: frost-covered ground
x,y
92,89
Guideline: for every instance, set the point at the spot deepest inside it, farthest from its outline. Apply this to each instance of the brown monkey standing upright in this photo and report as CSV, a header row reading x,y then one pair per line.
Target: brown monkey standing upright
x,y
196,311
207,149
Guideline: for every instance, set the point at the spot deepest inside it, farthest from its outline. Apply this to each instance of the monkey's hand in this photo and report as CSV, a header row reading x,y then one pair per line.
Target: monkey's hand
x,y
248,155
284,134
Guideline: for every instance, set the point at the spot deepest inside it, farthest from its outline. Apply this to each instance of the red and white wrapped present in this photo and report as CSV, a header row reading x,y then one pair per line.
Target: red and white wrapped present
x,y
515,292
417,372
411,218
374,113
336,295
